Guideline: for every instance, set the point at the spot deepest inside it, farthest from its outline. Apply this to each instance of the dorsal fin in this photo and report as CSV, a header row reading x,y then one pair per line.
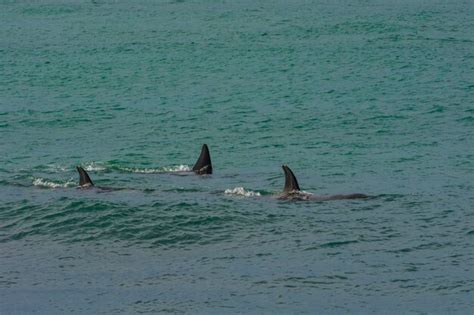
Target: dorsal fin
x,y
203,164
291,184
84,179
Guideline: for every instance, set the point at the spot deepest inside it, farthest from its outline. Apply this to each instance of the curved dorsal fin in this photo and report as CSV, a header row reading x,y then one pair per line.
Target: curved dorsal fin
x,y
84,179
291,184
203,164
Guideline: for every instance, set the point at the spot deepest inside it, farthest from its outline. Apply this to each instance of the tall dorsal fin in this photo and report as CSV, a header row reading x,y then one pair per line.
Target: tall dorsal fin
x,y
84,179
291,184
203,164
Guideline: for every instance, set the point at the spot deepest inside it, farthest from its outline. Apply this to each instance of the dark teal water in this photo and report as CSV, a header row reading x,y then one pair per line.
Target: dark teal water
x,y
355,96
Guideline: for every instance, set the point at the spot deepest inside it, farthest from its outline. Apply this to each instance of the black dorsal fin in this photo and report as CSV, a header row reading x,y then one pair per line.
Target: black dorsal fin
x,y
203,164
291,184
84,179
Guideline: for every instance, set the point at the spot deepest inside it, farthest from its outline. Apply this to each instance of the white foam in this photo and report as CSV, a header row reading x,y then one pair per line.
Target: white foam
x,y
241,191
169,169
177,168
140,170
93,166
41,182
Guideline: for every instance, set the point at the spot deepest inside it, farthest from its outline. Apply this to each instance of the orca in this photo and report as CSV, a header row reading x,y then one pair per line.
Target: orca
x,y
203,164
292,190
85,181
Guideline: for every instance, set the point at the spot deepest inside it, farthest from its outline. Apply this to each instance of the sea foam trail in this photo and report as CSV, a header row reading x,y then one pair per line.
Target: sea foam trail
x,y
169,169
177,168
41,182
93,166
241,191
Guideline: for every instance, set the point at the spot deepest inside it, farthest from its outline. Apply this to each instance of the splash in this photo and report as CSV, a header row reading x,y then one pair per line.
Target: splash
x,y
93,166
140,170
178,168
41,182
240,191
171,169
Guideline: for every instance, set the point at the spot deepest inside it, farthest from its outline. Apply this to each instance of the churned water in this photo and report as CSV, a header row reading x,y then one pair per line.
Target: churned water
x,y
361,96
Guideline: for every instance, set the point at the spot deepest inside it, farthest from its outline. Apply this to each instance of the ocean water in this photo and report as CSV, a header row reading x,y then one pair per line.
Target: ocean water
x,y
361,96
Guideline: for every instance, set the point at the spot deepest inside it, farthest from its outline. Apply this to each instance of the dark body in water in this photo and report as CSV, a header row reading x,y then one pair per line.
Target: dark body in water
x,y
203,164
292,190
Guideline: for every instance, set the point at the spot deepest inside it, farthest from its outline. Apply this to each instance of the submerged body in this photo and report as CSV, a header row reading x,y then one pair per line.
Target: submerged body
x,y
292,191
300,195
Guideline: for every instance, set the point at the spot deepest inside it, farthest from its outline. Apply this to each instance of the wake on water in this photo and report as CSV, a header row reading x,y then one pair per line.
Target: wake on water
x,y
100,167
241,191
165,169
44,183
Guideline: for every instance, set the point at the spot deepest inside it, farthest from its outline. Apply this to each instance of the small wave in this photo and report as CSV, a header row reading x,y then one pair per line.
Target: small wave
x,y
93,166
177,168
337,243
51,168
140,170
240,191
41,182
57,168
170,169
